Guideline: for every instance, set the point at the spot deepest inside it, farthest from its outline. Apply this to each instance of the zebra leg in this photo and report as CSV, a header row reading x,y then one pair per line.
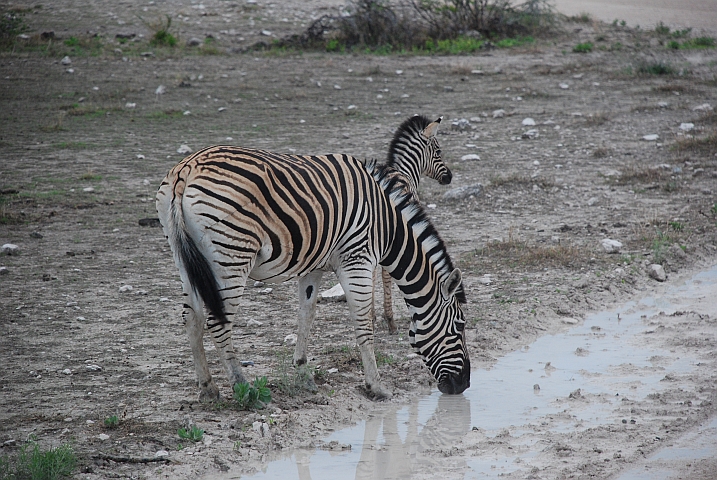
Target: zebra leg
x,y
372,313
388,302
194,323
221,333
308,294
357,283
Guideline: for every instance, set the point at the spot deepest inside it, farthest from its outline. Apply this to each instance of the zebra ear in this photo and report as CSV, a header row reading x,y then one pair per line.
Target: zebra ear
x,y
451,284
432,129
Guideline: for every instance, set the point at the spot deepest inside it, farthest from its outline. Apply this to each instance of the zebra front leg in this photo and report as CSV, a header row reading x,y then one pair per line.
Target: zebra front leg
x,y
358,285
194,324
308,294
388,302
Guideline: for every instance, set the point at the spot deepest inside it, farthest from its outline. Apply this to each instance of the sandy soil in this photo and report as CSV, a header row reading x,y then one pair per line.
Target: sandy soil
x,y
83,153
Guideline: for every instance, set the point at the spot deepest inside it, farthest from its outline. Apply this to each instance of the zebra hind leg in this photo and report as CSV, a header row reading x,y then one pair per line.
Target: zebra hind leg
x,y
194,324
221,333
308,294
388,302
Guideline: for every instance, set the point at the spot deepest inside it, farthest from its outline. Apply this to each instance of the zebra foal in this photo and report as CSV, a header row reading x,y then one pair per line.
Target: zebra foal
x,y
234,213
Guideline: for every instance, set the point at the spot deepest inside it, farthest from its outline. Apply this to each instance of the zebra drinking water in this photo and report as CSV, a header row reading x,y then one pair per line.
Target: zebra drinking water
x,y
234,213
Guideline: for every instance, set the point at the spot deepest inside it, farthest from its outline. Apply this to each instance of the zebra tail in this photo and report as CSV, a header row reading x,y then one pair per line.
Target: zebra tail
x,y
199,272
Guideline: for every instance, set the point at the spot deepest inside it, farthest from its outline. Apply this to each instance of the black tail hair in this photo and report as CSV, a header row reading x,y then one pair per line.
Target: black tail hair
x,y
199,271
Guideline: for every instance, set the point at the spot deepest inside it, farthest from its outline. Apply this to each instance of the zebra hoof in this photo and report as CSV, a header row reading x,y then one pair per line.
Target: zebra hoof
x,y
378,393
209,393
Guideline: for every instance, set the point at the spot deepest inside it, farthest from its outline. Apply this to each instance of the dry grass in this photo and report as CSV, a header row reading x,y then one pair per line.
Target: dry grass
x,y
601,152
632,174
596,119
700,145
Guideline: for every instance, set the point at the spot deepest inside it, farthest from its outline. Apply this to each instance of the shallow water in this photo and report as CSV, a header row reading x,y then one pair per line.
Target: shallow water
x,y
602,358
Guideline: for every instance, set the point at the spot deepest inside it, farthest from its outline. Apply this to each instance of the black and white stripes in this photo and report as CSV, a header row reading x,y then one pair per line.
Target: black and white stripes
x,y
233,213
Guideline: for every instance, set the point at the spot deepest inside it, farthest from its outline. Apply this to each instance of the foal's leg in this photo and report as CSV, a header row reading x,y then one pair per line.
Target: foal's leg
x,y
308,294
388,302
193,316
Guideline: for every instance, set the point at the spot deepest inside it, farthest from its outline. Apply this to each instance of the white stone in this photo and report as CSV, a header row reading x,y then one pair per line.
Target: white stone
x,y
651,137
687,126
461,193
67,371
500,113
611,246
161,454
431,206
485,280
662,104
103,436
4,271
470,156
254,323
477,72
126,288
532,133
88,189
569,321
258,284
290,339
66,60
705,107
183,149
140,156
399,72
266,291
93,368
656,272
593,201
266,33
332,370
10,249
564,86
337,87
528,122
130,105
334,294
160,90
163,299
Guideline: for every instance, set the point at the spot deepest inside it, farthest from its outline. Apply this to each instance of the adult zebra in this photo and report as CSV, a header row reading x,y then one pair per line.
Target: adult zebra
x,y
414,151
232,213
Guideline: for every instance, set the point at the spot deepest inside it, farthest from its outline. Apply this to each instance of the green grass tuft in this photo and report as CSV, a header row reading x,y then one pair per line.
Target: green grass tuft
x,y
194,434
37,464
253,396
586,47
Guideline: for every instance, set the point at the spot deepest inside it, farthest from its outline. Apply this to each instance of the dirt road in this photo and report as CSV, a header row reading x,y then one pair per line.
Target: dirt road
x,y
86,143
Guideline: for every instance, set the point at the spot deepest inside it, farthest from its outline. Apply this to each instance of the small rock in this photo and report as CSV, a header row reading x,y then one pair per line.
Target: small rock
x,y
431,206
103,436
447,88
593,201
337,87
184,149
4,271
569,321
88,189
194,42
254,323
332,370
686,127
247,363
470,156
485,280
290,339
663,104
334,294
8,443
130,105
258,284
656,272
611,246
66,60
266,33
477,72
499,113
160,90
461,193
536,387
67,371
705,107
126,288
651,137
532,133
266,291
161,454
460,124
564,86
528,122
163,299
149,222
93,368
399,72
678,252
10,249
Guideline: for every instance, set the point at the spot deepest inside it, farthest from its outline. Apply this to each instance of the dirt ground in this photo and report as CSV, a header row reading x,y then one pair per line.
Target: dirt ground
x,y
84,151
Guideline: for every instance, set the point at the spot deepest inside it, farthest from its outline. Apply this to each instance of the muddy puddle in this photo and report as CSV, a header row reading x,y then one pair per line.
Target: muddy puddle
x,y
568,382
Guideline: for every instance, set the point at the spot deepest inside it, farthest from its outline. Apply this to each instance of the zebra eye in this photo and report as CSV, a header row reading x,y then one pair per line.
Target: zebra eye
x,y
439,153
460,326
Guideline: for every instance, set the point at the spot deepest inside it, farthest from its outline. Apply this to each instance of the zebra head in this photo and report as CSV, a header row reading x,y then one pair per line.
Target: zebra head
x,y
439,337
415,151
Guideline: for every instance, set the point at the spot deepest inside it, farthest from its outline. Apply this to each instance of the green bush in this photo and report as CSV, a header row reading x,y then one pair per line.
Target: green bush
x,y
113,421
656,68
252,396
662,29
12,24
586,47
194,434
37,464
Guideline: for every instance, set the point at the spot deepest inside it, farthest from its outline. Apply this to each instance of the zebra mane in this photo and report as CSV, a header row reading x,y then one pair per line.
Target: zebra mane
x,y
396,186
410,127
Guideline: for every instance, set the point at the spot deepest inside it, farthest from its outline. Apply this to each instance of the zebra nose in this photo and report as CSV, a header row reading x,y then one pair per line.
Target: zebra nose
x,y
456,383
446,178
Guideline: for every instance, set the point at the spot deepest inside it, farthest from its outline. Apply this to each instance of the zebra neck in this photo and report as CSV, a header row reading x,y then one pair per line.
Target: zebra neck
x,y
408,170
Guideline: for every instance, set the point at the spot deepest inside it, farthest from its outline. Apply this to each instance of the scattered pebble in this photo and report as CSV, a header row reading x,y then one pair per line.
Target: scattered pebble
x,y
528,122
705,107
184,149
399,72
10,249
656,272
4,271
93,368
163,299
500,113
66,60
161,454
290,339
470,156
564,86
611,246
536,387
569,321
687,126
337,87
258,284
88,189
332,370
266,291
334,294
103,436
130,105
254,323
160,90
532,133
36,235
126,288
485,280
431,206
194,42
266,33
67,371
651,137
